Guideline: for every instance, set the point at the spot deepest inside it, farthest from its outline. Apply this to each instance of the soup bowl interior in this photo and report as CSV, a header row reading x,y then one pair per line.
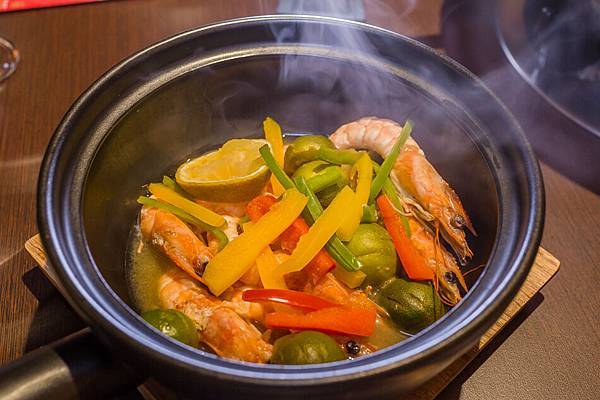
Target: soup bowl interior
x,y
172,102
199,111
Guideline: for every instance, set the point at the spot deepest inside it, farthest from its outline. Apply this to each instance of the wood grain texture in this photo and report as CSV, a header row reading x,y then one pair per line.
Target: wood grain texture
x,y
544,268
554,352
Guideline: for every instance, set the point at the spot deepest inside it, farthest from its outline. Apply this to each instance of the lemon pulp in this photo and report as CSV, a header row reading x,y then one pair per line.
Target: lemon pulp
x,y
234,173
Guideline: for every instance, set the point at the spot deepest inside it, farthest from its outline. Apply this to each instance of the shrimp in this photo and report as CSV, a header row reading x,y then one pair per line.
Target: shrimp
x,y
176,240
329,287
439,260
415,175
251,277
231,231
236,210
218,325
248,310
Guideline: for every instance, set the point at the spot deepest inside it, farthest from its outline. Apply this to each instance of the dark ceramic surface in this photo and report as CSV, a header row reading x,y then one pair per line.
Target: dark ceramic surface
x,y
197,89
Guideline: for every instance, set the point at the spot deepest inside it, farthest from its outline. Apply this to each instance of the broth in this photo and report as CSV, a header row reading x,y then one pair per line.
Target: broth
x,y
145,265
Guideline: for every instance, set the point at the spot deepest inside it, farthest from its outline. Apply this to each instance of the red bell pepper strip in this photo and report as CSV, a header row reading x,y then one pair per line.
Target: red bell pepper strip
x,y
289,297
413,263
351,321
289,239
258,206
320,265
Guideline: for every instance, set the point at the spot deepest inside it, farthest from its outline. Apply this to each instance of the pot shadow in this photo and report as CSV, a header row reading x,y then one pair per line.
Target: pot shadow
x,y
53,318
453,390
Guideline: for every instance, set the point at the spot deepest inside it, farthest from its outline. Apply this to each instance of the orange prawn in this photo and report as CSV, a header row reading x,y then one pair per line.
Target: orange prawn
x,y
414,173
218,325
176,240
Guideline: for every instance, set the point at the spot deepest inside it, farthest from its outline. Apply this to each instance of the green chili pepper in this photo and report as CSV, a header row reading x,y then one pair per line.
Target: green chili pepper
x,y
390,192
389,161
313,207
281,176
337,156
171,184
221,237
329,177
369,214
388,189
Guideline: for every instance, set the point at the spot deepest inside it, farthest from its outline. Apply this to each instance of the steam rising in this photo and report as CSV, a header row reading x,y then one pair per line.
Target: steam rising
x,y
316,94
349,89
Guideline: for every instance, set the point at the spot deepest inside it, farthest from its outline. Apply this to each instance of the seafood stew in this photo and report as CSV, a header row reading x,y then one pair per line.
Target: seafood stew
x,y
302,251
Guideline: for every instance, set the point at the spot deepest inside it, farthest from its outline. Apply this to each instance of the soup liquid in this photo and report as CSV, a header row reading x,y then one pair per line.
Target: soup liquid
x,y
145,266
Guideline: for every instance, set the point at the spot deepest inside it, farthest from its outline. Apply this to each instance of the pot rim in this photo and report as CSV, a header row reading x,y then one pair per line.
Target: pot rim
x,y
61,249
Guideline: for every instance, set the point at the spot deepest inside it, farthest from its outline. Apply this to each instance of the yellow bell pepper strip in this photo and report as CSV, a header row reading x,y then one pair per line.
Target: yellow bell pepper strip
x,y
335,247
319,234
352,279
238,256
172,197
275,139
172,184
354,210
267,265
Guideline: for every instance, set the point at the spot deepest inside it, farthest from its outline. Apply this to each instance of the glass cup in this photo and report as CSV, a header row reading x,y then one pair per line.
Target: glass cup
x,y
9,58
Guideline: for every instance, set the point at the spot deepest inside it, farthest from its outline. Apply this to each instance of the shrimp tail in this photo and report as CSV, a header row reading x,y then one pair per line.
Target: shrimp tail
x,y
447,273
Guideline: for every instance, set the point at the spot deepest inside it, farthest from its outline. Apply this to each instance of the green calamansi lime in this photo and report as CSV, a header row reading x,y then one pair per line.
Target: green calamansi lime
x,y
373,246
234,173
412,305
174,324
304,149
308,347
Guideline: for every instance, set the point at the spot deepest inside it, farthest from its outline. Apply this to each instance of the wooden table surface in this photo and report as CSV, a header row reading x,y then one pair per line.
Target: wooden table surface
x,y
552,350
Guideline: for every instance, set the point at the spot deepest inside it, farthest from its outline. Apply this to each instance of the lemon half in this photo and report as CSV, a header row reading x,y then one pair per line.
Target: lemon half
x,y
234,173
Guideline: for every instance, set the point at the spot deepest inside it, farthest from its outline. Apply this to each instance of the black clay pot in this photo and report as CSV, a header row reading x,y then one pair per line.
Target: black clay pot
x,y
192,92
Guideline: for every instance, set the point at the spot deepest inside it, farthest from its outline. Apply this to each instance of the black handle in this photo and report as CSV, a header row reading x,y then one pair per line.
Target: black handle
x,y
76,367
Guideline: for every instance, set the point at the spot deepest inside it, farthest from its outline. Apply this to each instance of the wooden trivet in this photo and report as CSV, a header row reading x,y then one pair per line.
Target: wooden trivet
x,y
543,269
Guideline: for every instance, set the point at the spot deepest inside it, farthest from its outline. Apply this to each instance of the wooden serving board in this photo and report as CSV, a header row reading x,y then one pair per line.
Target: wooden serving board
x,y
543,269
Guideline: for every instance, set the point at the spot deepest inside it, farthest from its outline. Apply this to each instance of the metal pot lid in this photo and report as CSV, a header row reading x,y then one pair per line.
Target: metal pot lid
x,y
555,47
